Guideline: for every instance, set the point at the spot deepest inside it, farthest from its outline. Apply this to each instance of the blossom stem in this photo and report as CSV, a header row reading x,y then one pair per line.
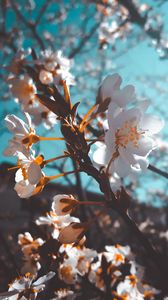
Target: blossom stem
x,y
91,203
54,159
158,171
94,140
42,138
62,174
13,168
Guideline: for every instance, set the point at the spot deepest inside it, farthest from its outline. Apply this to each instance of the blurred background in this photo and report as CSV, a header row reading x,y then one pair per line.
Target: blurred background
x,y
101,37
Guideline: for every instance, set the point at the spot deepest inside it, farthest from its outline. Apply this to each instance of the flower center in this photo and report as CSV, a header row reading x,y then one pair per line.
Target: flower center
x,y
128,133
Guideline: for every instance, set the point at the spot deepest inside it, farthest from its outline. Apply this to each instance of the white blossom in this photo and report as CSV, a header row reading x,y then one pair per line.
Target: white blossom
x,y
71,233
63,204
28,176
29,248
56,222
27,287
129,138
55,68
20,130
23,89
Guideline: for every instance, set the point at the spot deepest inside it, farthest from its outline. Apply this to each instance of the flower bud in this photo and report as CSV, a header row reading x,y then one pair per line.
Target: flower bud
x,y
64,204
72,233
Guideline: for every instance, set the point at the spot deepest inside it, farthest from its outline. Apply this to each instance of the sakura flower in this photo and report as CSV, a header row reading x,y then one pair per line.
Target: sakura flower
x,y
29,177
41,114
28,244
26,288
64,204
23,135
128,141
30,250
72,233
56,222
55,68
77,261
23,89
52,60
86,256
128,289
116,254
68,273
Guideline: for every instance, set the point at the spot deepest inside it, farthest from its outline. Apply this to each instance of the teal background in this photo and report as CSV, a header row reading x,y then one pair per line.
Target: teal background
x,y
136,61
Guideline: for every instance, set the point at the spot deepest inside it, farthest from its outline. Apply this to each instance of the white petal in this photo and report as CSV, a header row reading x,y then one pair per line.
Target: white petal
x,y
34,173
44,279
15,124
28,119
121,167
19,175
124,96
143,105
127,156
152,124
142,163
57,206
145,146
109,84
24,190
99,156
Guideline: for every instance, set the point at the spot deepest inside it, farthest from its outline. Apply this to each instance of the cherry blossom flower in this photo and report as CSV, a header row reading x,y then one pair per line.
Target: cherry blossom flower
x,y
56,222
117,254
72,233
77,262
23,135
42,115
64,204
26,288
23,89
29,248
128,288
128,141
55,68
29,177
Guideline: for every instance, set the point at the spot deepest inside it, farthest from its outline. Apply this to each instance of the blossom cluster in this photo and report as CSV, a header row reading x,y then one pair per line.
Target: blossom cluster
x,y
116,21
51,68
114,268
129,130
126,136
